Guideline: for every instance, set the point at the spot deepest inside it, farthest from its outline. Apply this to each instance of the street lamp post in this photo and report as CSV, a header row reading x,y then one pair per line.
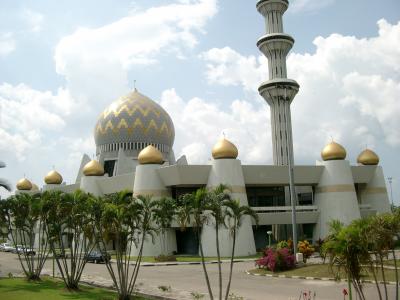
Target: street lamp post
x,y
390,179
293,200
269,232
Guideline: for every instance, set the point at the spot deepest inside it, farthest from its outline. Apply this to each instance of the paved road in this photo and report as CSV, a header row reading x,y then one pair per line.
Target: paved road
x,y
189,278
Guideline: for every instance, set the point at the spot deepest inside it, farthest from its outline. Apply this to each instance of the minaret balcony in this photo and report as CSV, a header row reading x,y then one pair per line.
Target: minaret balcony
x,y
265,7
270,43
279,89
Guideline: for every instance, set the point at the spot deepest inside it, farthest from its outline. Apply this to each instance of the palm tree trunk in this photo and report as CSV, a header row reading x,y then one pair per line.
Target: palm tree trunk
x,y
372,268
219,260
396,273
383,276
204,267
228,287
349,286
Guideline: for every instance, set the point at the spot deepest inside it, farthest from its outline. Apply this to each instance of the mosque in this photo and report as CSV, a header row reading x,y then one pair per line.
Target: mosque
x,y
134,139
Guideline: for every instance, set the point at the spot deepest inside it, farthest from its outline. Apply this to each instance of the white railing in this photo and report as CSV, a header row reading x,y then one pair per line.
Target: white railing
x,y
275,209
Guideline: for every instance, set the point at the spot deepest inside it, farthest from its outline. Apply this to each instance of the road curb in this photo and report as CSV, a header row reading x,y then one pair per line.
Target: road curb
x,y
312,278
183,263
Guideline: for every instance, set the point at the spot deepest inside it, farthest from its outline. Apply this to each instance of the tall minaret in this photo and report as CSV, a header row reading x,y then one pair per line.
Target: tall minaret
x,y
278,91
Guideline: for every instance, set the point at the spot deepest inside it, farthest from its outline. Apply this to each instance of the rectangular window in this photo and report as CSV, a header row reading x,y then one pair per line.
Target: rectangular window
x,y
109,166
266,196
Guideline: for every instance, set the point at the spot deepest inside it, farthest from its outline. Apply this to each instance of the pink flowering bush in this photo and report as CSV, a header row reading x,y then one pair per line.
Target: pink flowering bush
x,y
276,260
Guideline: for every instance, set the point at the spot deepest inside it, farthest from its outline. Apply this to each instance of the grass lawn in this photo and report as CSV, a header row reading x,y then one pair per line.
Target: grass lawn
x,y
186,258
323,270
48,288
390,262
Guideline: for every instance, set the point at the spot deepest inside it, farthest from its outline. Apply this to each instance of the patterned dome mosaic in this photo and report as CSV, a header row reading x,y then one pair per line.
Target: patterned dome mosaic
x,y
132,122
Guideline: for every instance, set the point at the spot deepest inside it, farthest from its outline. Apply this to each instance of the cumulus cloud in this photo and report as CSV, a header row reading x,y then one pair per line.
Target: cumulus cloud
x,y
352,83
7,44
225,66
26,113
297,6
200,123
98,59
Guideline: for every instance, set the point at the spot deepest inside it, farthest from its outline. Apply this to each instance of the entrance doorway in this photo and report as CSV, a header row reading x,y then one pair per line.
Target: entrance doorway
x,y
187,242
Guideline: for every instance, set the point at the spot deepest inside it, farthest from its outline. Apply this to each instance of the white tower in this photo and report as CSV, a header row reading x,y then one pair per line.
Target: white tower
x,y
278,91
226,169
148,183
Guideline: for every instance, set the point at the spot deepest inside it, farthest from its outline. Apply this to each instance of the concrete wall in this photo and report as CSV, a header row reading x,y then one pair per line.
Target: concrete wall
x,y
335,196
229,172
374,192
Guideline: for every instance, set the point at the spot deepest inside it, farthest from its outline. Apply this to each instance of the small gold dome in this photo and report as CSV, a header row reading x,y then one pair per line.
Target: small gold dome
x,y
150,155
333,151
368,157
224,149
35,188
53,177
24,185
93,168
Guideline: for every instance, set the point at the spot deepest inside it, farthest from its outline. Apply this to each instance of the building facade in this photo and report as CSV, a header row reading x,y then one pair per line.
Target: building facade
x,y
134,147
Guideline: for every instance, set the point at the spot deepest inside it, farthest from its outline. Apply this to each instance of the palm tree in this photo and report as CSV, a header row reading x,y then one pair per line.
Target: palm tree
x,y
164,214
235,213
128,221
216,205
69,215
193,206
384,228
3,182
25,220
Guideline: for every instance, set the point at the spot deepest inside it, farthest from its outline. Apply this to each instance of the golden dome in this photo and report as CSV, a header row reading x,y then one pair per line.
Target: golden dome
x,y
333,151
53,177
24,185
35,188
150,155
224,149
93,168
368,157
134,119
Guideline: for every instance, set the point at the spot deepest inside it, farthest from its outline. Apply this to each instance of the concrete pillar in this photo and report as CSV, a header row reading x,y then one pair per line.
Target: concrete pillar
x,y
148,182
52,187
375,193
89,185
335,196
229,171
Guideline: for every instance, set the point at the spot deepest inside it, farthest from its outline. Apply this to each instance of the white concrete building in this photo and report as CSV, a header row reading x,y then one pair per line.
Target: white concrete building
x,y
134,145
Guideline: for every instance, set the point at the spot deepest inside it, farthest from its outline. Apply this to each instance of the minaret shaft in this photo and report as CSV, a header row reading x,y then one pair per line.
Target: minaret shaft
x,y
278,91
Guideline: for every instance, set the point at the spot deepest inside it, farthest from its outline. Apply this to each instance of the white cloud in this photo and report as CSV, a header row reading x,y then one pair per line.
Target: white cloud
x,y
199,124
25,114
7,44
352,83
98,59
33,19
227,67
309,5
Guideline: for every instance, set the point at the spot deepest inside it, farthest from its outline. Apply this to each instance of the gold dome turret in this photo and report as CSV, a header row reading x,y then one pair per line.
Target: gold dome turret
x,y
24,185
368,157
93,168
224,149
150,155
53,177
333,151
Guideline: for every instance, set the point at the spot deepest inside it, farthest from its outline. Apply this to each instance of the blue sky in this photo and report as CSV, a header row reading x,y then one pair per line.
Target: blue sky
x,y
62,62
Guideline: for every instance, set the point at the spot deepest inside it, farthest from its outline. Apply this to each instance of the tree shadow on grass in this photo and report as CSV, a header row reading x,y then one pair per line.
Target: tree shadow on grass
x,y
46,288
